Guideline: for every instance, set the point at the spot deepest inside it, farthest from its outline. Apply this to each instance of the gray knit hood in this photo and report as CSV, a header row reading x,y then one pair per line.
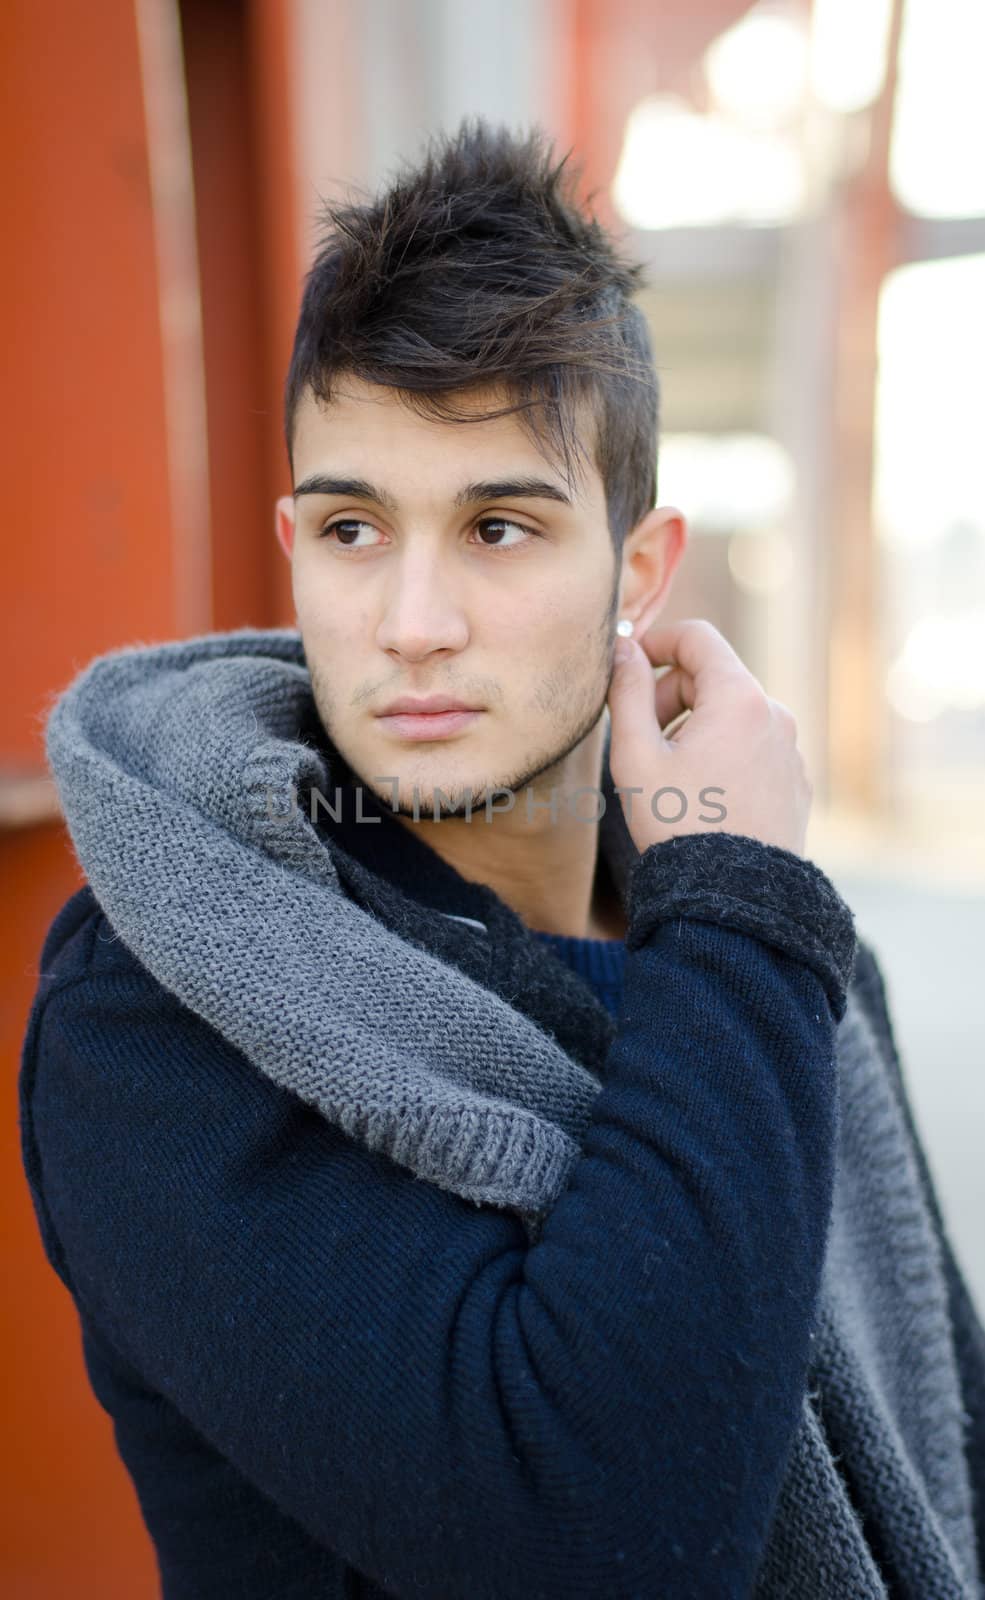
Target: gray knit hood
x,y
179,766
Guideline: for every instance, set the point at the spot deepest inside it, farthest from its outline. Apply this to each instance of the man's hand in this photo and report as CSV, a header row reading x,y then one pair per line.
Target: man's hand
x,y
735,739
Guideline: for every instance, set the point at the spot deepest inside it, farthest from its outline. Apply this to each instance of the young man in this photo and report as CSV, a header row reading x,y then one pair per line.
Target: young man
x,y
472,1135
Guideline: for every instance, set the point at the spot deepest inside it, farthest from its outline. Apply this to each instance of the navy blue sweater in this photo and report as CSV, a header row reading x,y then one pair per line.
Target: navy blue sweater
x,y
329,1378
601,962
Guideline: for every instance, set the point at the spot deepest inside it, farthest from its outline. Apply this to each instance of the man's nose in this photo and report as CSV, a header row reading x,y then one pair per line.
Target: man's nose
x,y
421,613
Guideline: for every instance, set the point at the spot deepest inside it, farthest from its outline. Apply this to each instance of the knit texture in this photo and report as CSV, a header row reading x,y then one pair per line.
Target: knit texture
x,y
913,1401
601,962
179,766
328,1378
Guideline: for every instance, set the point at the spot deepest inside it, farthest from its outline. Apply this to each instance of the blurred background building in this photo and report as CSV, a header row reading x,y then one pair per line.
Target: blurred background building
x,y
804,181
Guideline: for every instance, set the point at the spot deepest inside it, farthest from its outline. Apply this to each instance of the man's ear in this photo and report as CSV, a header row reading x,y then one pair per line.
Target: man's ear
x,y
651,554
284,523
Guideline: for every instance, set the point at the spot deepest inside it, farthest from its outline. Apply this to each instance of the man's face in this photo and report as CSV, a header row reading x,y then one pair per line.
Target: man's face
x,y
421,568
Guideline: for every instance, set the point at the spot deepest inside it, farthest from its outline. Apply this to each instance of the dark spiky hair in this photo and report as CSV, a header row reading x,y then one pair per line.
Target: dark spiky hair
x,y
476,268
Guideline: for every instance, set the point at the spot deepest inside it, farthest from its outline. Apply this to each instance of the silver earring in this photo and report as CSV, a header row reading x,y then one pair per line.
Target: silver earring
x,y
624,627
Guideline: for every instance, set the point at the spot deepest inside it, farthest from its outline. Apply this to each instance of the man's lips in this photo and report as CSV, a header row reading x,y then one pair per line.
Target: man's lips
x,y
429,724
423,705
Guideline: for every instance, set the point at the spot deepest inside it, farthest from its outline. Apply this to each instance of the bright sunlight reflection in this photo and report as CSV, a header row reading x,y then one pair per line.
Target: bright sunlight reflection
x,y
928,471
936,163
928,477
680,169
848,52
726,482
757,69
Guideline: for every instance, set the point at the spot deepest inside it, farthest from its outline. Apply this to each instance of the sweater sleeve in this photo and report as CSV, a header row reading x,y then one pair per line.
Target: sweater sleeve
x,y
451,1408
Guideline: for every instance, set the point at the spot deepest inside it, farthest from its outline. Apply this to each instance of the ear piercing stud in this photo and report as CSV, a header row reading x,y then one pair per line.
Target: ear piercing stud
x,y
624,628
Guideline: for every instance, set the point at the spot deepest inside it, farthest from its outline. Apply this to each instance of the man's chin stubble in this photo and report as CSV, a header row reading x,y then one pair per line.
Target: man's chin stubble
x,y
463,800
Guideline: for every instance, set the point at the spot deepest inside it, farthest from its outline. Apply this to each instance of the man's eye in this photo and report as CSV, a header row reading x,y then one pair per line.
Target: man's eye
x,y
504,522
346,537
341,528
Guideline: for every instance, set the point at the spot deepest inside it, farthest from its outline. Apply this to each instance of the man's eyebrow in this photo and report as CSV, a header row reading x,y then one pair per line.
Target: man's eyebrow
x,y
469,494
510,489
323,483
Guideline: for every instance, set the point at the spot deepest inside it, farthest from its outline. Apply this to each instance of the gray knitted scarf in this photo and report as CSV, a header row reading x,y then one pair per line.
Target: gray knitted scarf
x,y
176,764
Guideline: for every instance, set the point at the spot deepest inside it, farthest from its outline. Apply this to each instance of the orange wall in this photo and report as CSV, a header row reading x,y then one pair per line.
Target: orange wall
x,y
89,561
240,118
